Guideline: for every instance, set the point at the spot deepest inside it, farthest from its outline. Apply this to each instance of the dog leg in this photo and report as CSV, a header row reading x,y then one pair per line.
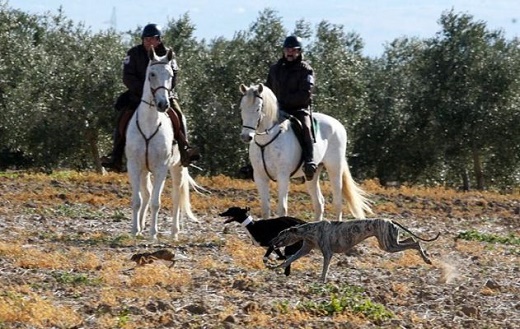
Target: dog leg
x,y
327,256
409,243
304,250
280,255
269,252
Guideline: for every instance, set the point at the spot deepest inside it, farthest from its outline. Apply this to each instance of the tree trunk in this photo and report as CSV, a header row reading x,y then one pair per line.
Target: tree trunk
x,y
92,142
465,181
477,167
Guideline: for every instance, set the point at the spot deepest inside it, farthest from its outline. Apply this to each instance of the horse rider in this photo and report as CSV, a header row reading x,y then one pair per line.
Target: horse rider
x,y
292,80
134,75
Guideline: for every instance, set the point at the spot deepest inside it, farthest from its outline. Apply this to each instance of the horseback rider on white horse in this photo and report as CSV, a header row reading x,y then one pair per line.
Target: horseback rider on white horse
x,y
291,79
134,71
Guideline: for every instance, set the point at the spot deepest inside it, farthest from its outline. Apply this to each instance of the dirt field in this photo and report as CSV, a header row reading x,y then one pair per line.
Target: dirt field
x,y
65,252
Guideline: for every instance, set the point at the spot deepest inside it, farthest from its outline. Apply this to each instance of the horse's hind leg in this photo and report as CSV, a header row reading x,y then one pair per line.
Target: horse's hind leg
x,y
176,175
336,185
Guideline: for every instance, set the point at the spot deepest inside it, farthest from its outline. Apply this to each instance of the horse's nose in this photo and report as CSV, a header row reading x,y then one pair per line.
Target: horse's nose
x,y
162,105
246,137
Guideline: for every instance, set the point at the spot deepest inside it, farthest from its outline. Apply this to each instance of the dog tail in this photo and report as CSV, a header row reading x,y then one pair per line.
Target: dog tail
x,y
415,236
357,199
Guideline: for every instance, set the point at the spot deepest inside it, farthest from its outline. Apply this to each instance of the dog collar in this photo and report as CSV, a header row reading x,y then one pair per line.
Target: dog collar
x,y
247,221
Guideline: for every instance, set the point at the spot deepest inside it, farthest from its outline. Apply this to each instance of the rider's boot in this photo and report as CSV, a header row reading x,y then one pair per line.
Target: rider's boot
x,y
309,166
114,161
188,153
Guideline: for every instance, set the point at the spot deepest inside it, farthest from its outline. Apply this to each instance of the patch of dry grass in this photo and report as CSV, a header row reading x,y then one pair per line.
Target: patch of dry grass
x,y
65,237
25,306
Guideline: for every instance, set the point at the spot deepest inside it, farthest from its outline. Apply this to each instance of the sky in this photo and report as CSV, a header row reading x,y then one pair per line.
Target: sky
x,y
378,22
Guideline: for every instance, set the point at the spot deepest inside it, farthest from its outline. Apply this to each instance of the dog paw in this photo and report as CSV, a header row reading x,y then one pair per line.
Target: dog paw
x,y
271,266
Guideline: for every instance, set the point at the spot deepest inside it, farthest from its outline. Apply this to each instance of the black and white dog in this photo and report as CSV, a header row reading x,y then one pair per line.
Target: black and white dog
x,y
265,230
338,237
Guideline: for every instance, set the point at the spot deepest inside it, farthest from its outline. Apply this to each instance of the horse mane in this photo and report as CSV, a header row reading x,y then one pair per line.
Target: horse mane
x,y
270,104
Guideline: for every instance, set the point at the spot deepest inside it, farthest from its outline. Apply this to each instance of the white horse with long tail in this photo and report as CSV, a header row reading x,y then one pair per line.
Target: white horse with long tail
x,y
275,154
151,151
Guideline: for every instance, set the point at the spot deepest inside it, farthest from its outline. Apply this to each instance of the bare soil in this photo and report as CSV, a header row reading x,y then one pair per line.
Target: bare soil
x,y
65,253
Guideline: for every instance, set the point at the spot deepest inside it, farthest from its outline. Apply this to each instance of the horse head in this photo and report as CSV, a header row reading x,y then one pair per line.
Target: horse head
x,y
259,110
159,76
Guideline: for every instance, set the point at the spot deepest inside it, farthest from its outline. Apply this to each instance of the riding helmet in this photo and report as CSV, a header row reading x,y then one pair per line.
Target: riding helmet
x,y
151,30
292,41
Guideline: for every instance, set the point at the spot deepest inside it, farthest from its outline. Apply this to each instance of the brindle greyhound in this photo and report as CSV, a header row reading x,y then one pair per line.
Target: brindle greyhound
x,y
338,237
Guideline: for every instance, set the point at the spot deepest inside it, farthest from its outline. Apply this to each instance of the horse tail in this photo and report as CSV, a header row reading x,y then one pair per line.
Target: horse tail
x,y
184,198
188,182
356,198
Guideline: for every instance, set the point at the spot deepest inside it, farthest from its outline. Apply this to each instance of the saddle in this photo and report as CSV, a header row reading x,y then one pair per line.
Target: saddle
x,y
298,128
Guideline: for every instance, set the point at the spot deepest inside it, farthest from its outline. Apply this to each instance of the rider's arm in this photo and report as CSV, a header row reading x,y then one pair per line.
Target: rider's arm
x,y
131,78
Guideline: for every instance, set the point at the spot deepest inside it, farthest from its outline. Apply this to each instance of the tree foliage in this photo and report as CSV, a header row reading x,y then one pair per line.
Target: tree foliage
x,y
442,110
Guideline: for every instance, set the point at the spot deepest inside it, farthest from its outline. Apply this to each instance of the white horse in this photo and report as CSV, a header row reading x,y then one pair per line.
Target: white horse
x,y
276,154
150,151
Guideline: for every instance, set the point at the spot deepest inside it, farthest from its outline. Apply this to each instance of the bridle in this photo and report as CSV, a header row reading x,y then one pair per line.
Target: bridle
x,y
266,132
154,90
259,117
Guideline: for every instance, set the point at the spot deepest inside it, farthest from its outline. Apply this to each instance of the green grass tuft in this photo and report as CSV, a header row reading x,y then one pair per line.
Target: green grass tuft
x,y
329,299
473,235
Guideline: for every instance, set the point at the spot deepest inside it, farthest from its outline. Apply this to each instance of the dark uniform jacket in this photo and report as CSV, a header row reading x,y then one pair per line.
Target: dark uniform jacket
x,y
292,83
134,73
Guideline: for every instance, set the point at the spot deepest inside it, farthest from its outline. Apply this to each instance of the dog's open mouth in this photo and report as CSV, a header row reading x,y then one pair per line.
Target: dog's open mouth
x,y
229,218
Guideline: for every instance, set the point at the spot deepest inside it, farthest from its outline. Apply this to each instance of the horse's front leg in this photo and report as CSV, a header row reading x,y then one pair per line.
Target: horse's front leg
x,y
283,194
145,188
139,199
155,204
136,207
262,185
